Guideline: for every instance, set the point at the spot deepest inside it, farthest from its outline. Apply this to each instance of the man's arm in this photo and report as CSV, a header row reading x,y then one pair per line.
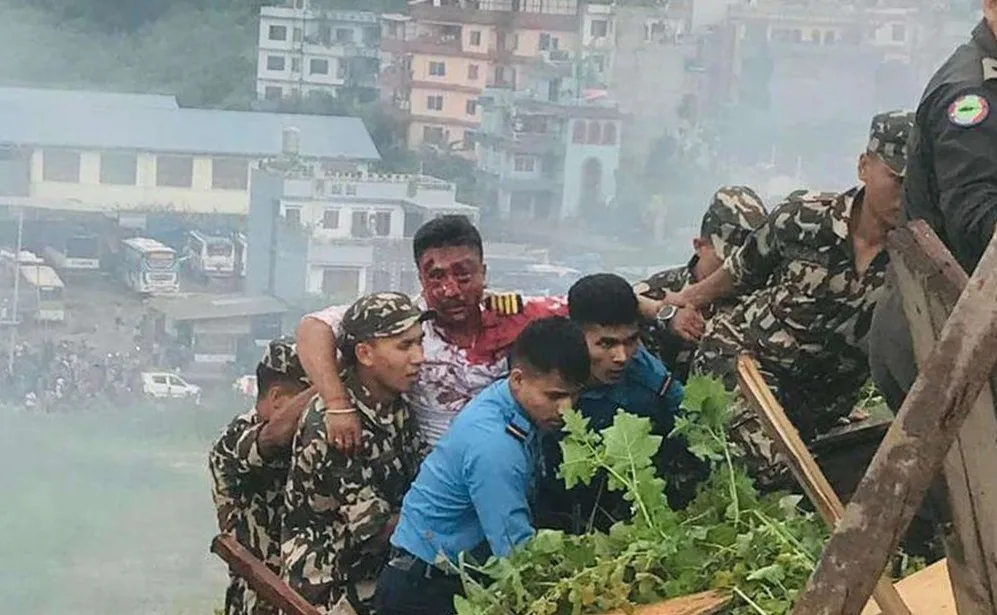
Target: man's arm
x,y
333,513
276,434
498,479
231,458
965,161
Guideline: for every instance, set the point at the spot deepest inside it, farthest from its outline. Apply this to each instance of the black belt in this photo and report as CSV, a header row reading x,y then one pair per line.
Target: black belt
x,y
400,559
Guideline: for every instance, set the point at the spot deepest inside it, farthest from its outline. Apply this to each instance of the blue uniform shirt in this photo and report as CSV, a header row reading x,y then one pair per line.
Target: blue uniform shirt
x,y
473,487
647,389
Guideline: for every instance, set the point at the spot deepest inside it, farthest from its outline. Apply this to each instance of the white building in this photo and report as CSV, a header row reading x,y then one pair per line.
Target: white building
x,y
305,50
351,233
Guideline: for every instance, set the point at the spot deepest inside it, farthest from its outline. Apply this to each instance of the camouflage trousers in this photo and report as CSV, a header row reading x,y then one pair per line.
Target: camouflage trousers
x,y
240,599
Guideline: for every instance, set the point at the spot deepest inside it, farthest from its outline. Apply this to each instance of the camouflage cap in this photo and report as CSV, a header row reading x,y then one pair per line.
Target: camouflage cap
x,y
888,136
734,212
281,356
381,315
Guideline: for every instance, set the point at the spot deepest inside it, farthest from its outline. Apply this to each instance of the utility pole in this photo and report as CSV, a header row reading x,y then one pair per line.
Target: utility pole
x,y
14,321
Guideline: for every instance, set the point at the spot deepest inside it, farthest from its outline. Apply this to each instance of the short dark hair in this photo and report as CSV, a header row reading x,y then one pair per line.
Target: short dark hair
x,y
267,378
447,231
603,299
553,344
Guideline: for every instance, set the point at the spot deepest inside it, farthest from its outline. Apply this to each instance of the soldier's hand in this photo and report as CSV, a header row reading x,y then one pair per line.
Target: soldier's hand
x,y
688,324
344,431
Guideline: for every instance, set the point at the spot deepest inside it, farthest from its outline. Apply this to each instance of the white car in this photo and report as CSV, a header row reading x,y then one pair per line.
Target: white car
x,y
165,385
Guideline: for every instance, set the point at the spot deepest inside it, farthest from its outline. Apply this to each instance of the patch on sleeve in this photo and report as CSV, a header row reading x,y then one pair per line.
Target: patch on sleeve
x,y
968,110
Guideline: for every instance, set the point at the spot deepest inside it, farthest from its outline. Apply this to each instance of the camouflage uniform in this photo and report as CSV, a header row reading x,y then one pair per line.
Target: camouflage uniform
x,y
338,507
733,213
248,490
804,311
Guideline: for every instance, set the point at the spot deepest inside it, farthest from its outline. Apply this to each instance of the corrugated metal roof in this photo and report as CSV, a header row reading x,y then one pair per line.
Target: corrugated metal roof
x,y
84,98
207,307
190,131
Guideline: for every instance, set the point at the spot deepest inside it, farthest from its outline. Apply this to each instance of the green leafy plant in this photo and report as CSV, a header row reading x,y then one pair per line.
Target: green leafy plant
x,y
760,548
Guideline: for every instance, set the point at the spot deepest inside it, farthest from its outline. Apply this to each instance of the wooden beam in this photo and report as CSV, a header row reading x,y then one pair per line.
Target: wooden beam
x,y
781,430
268,585
912,452
705,603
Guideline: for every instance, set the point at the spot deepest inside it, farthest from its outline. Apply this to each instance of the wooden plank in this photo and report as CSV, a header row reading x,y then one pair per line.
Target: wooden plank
x,y
923,263
782,432
927,591
268,585
912,452
705,603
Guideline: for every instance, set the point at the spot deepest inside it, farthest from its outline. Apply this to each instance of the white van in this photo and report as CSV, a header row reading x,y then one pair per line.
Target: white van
x,y
164,385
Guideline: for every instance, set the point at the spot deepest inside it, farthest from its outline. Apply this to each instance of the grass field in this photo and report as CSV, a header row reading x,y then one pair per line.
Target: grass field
x,y
109,513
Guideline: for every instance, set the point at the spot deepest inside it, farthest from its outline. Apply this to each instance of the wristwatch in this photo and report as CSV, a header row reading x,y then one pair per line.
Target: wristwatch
x,y
664,315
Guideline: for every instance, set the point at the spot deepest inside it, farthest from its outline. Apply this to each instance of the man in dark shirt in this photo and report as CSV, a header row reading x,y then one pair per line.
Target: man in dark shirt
x,y
951,183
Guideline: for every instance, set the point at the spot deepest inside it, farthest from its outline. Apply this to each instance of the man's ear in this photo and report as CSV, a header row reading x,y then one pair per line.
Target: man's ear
x,y
863,166
365,354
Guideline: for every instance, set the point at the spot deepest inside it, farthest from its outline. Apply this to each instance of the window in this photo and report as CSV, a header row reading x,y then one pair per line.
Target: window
x,y
351,189
898,32
295,65
174,171
298,35
578,132
524,164
609,134
599,28
324,34
476,38
433,134
344,35
382,223
60,166
472,72
594,133
829,37
341,282
471,107
278,33
330,218
229,174
275,63
547,42
159,380
273,92
118,168
292,215
438,69
318,67
434,103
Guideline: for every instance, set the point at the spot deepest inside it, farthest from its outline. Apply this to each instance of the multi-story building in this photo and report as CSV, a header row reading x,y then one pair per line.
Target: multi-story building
x,y
148,157
306,49
445,52
545,153
340,236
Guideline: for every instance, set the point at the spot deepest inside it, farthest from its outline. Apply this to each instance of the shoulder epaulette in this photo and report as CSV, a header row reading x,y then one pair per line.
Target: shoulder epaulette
x,y
667,384
989,68
516,431
505,304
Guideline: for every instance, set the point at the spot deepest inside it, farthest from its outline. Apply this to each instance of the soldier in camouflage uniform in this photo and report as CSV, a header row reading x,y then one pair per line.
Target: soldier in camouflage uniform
x,y
342,509
733,213
807,281
248,465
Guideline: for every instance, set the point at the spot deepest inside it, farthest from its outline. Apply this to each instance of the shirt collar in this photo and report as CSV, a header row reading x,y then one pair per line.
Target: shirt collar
x,y
378,413
844,207
984,37
515,413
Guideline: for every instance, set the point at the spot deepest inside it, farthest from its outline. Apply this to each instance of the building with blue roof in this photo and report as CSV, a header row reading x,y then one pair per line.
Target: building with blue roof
x,y
106,152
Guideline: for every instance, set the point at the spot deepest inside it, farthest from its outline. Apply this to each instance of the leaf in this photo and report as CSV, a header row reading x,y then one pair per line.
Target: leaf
x,y
772,572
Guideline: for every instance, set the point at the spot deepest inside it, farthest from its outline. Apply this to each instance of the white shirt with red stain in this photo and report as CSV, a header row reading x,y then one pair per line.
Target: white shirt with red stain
x,y
451,376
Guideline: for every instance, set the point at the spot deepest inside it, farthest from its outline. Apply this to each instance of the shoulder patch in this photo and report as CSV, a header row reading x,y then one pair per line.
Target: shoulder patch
x,y
968,110
505,304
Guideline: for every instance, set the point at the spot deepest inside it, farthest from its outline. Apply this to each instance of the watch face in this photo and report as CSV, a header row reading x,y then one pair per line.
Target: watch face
x,y
666,313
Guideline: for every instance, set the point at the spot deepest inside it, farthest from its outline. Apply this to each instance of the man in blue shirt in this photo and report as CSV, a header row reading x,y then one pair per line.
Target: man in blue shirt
x,y
623,375
472,494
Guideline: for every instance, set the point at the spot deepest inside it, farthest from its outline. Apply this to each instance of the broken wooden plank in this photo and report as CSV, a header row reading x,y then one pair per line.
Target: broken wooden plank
x,y
705,603
931,281
268,585
782,432
912,452
927,591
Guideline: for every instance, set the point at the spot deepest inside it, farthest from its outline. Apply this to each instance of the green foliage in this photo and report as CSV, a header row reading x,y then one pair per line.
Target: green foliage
x,y
760,548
